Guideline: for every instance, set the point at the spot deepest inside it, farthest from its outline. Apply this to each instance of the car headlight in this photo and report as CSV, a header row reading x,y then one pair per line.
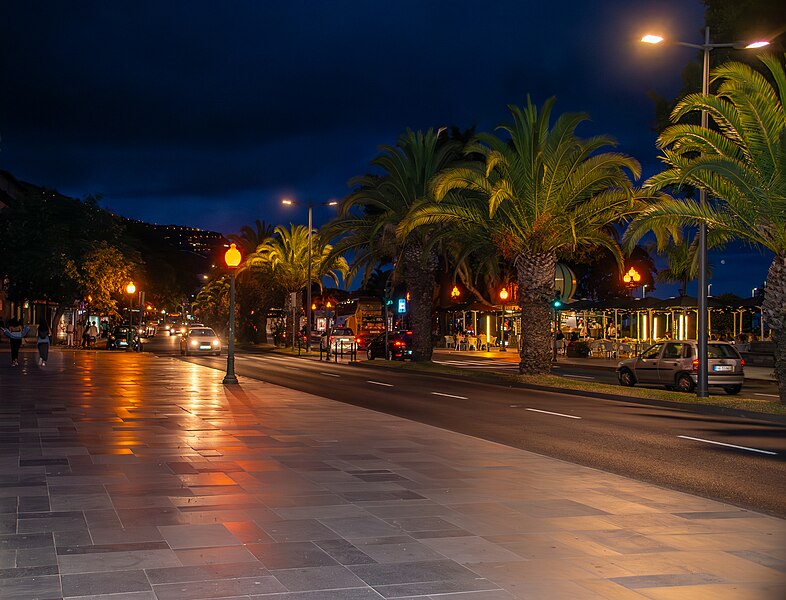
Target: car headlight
x,y
216,343
193,342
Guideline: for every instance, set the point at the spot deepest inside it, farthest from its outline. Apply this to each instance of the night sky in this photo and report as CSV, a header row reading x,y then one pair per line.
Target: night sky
x,y
207,114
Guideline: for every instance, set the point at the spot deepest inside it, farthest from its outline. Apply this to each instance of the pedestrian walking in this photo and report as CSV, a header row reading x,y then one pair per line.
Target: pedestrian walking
x,y
70,334
79,333
91,333
43,341
15,333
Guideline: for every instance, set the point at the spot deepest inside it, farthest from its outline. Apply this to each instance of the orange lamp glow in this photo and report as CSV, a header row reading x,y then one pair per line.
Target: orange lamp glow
x,y
232,256
131,288
652,39
455,292
313,307
503,294
632,276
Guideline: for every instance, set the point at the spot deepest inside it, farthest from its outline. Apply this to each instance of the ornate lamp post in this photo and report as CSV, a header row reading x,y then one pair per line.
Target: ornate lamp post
x,y
503,296
632,278
232,258
310,205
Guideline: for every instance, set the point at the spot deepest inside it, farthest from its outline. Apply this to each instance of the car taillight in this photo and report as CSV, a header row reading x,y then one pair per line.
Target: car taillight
x,y
398,343
742,362
695,364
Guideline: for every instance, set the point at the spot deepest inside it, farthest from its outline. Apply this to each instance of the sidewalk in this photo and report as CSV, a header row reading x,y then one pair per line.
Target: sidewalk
x,y
131,477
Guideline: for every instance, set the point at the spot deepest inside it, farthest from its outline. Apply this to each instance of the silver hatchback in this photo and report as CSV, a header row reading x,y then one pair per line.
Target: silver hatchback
x,y
675,365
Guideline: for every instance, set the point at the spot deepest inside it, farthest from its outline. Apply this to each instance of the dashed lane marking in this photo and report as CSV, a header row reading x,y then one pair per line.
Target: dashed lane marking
x,y
687,437
379,383
548,412
329,374
449,395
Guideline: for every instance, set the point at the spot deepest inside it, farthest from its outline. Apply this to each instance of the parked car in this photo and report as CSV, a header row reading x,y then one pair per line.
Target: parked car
x,y
337,339
200,340
399,346
675,365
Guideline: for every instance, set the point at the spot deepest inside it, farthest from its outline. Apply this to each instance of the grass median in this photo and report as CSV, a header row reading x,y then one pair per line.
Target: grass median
x,y
556,382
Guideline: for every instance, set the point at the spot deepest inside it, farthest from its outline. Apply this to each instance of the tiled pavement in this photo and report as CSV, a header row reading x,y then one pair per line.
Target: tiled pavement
x,y
130,477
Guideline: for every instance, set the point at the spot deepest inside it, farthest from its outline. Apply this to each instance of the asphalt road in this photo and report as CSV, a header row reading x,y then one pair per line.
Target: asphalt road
x,y
742,461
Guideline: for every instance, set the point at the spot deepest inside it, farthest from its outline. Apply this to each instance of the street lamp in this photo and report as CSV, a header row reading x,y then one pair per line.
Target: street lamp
x,y
130,289
503,295
631,278
232,258
310,205
702,334
328,305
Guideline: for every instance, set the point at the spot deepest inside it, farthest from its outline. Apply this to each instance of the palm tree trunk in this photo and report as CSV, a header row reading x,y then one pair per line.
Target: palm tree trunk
x,y
419,273
775,314
536,290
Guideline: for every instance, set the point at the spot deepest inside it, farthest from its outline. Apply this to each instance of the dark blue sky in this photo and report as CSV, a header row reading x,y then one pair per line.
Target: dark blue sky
x,y
207,113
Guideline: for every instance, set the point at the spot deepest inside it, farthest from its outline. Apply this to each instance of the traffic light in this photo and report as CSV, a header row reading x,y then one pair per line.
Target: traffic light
x,y
388,301
556,303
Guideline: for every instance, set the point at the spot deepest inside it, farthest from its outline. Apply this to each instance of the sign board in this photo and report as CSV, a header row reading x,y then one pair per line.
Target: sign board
x,y
402,305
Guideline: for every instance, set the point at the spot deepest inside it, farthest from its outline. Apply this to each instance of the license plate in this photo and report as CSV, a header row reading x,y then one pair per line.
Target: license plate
x,y
204,347
724,368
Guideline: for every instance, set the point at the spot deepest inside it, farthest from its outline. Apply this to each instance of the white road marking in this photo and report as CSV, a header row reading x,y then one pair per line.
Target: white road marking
x,y
329,374
449,395
578,376
766,395
548,412
379,383
687,437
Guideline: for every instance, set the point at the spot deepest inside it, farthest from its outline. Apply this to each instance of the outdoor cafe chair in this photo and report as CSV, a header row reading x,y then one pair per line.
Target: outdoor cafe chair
x,y
449,342
472,343
481,341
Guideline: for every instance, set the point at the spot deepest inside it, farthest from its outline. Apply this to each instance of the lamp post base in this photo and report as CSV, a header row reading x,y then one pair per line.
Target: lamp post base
x,y
229,380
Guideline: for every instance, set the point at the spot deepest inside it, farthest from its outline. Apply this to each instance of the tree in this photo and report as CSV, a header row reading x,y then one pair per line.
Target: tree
x,y
682,262
539,192
102,276
740,163
286,256
369,217
212,303
256,289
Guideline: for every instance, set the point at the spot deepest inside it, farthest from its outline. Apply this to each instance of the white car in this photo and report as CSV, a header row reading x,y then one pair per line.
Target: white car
x,y
200,340
338,339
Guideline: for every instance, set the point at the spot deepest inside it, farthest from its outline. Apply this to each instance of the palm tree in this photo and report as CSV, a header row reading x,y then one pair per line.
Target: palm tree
x,y
256,292
682,262
369,216
742,165
286,256
540,192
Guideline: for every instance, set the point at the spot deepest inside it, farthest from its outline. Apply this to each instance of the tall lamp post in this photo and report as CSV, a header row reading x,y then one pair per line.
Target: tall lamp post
x,y
310,206
706,48
503,295
232,258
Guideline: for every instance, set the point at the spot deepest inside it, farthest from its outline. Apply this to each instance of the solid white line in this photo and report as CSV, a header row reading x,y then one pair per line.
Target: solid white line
x,y
686,437
766,395
329,374
578,376
449,395
553,413
379,383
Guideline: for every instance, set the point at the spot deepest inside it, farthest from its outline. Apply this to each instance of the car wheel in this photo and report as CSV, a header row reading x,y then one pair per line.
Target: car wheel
x,y
626,378
732,390
216,353
685,383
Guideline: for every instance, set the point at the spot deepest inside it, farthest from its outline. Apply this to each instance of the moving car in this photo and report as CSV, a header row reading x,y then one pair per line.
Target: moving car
x,y
337,339
675,365
399,346
118,338
200,340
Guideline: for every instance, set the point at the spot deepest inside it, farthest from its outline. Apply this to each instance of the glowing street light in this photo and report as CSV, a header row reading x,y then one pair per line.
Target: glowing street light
x,y
632,277
703,309
455,293
310,205
503,295
232,258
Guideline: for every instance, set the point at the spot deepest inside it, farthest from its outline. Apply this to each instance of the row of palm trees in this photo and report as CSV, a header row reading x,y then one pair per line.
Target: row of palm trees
x,y
514,201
